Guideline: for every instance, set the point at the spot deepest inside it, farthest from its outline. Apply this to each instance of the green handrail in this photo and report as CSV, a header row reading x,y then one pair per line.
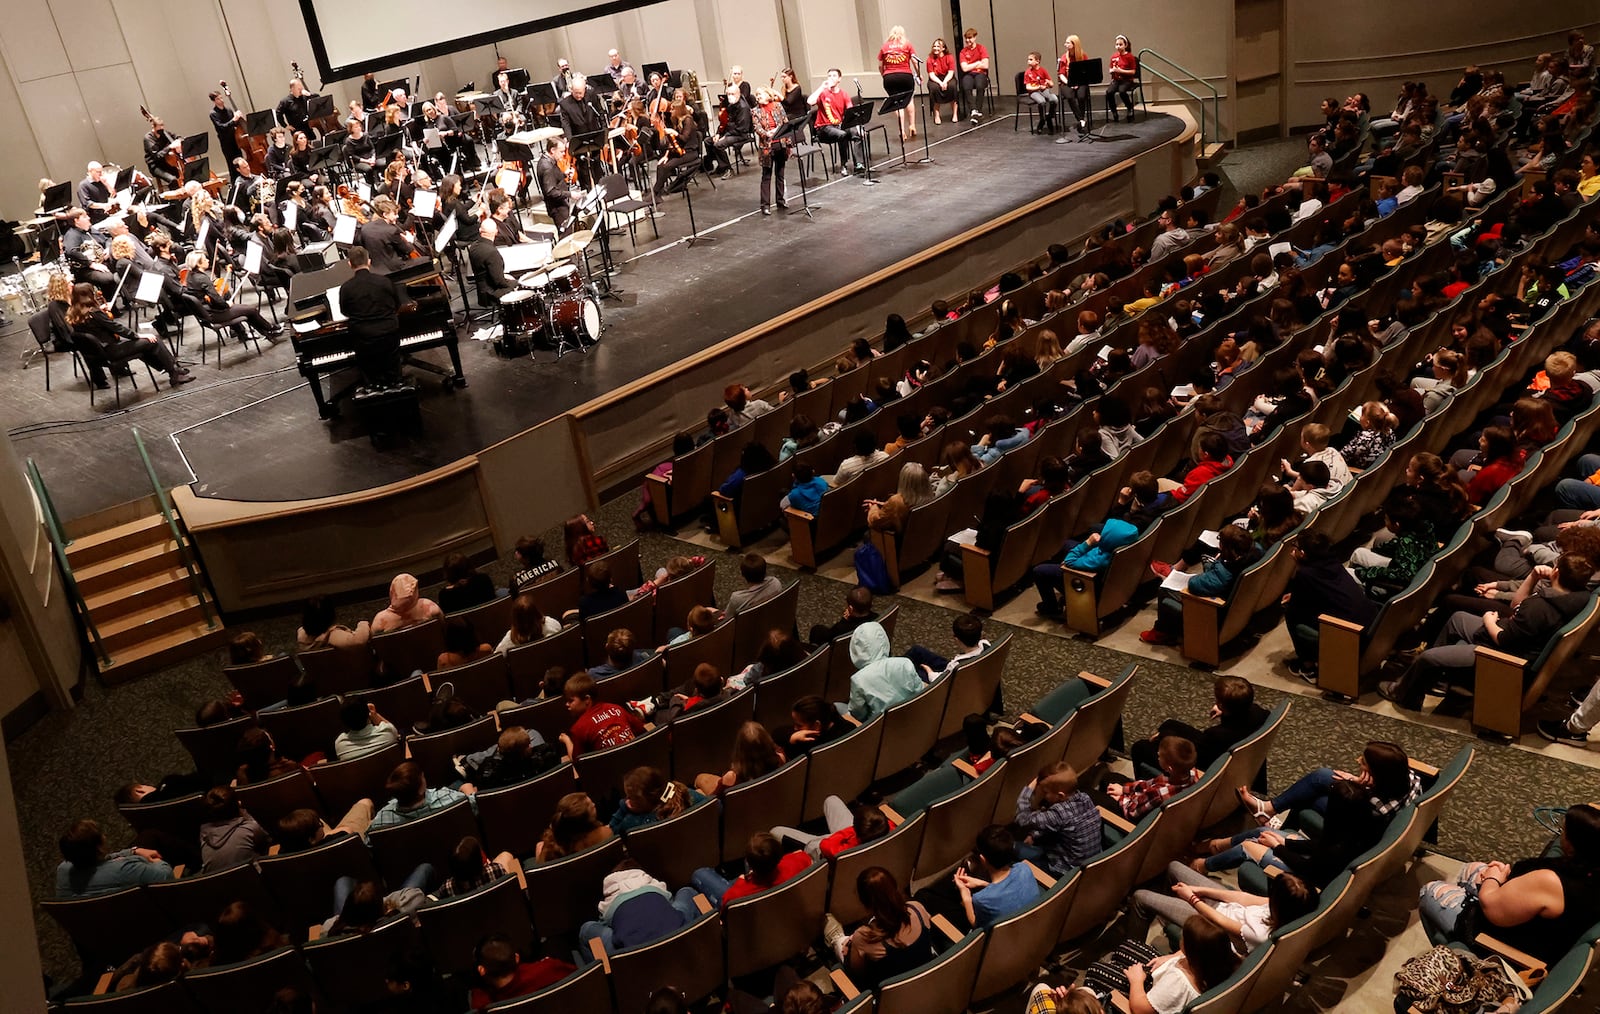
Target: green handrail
x,y
59,545
177,537
1216,96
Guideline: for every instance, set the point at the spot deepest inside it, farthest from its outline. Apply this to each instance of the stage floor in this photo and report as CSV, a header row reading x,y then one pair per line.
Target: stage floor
x,y
250,431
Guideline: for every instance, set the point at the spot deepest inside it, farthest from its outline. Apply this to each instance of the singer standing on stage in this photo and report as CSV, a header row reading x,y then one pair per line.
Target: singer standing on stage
x,y
899,76
773,155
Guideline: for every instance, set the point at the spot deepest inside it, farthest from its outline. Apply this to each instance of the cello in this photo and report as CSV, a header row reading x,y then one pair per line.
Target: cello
x,y
172,157
252,146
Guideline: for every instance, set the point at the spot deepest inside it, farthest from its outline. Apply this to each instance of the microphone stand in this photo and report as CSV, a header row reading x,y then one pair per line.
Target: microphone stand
x,y
922,109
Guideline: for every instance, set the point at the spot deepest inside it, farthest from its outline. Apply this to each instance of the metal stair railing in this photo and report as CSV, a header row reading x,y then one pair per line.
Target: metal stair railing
x,y
184,547
59,544
1200,100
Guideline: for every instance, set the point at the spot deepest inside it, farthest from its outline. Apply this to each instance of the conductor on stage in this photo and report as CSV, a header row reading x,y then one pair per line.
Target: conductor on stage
x,y
372,304
488,267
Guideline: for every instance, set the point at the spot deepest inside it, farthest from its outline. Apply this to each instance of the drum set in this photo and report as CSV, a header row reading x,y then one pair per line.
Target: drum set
x,y
554,307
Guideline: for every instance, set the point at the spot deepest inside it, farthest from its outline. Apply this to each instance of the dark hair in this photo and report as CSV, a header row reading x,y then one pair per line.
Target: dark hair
x,y
363,909
1113,412
996,847
353,713
239,932
755,457
1581,830
459,637
1574,571
780,650
82,844
1209,951
1234,694
221,804
859,600
297,829
762,854
1289,898
1498,443
317,616
879,893
405,783
895,332
1390,769
1315,473
865,443
1213,445
968,629
497,956
753,568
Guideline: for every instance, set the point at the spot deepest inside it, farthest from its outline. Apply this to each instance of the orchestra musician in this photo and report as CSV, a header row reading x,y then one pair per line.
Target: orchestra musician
x,y
300,156
322,210
772,154
488,267
132,261
508,99
680,150
453,205
308,222
357,149
503,211
214,301
790,94
737,131
831,101
113,343
615,66
293,110
627,89
370,96
736,80
278,165
562,82
223,120
371,302
387,247
79,247
272,275
246,185
560,193
94,194
158,145
584,127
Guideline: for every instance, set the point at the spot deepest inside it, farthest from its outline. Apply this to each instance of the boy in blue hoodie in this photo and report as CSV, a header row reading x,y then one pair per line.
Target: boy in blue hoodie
x,y
1139,503
1215,580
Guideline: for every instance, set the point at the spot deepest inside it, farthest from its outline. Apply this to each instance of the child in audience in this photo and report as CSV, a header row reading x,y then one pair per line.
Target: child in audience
x,y
600,595
574,827
1061,823
968,632
1176,756
880,681
759,586
229,837
635,909
1248,919
701,620
621,655
246,649
503,975
583,542
649,796
300,829
88,869
461,644
1312,487
766,866
1236,552
528,624
1383,574
365,731
597,725
532,567
406,606
846,829
518,754
754,754
469,869
992,884
465,586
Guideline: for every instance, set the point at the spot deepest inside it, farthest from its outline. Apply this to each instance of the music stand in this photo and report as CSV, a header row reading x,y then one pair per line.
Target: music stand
x,y
199,169
259,123
196,145
489,105
790,131
383,148
388,87
57,197
1087,73
122,181
326,157
893,104
653,68
517,79
602,84
374,121
319,107
856,122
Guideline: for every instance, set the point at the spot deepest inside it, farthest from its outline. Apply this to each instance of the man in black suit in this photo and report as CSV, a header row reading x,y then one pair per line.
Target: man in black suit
x,y
558,193
372,305
388,248
293,109
584,127
488,267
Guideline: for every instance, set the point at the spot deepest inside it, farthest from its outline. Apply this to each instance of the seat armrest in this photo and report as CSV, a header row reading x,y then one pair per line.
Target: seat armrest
x,y
1334,621
1423,768
965,768
1091,678
1116,820
847,989
1531,968
943,925
1499,656
853,720
1045,880
103,985
892,814
598,949
702,903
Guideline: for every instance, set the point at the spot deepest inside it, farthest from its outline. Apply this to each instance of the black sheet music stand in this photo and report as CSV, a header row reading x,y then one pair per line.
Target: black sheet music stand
x,y
517,79
57,197
653,68
383,148
893,104
196,145
1088,72
259,123
793,131
857,120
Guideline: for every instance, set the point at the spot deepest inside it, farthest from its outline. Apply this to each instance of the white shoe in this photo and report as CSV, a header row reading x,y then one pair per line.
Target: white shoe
x,y
1514,537
834,936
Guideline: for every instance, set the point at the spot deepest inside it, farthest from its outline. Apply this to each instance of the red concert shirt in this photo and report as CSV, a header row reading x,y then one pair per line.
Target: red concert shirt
x,y
1062,63
1125,62
974,53
895,58
939,66
1036,76
831,104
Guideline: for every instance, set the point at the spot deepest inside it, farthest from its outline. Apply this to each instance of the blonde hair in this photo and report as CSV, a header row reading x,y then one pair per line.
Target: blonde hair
x,y
1075,49
897,34
122,247
59,289
1378,415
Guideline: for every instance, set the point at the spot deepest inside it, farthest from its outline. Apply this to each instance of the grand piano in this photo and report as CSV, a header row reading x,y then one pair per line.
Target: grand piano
x,y
322,342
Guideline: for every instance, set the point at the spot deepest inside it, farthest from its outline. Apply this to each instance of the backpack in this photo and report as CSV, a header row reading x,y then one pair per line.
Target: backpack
x,y
871,571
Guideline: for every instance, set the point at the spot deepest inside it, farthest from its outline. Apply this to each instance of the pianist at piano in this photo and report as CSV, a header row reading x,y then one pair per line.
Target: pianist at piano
x,y
371,302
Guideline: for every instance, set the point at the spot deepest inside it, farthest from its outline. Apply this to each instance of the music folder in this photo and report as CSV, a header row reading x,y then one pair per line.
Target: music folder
x,y
252,258
344,230
149,291
423,203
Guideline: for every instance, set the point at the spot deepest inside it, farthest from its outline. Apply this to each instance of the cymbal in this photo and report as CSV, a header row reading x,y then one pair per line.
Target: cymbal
x,y
19,230
41,220
573,245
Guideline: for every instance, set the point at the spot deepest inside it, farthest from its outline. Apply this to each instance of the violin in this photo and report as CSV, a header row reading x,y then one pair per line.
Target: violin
x,y
569,168
350,204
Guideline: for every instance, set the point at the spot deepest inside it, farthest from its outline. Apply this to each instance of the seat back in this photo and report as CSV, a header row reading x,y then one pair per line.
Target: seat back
x,y
1228,996
248,986
302,882
646,679
841,668
895,852
690,959
1291,945
304,730
601,771
703,738
1107,879
774,798
214,748
436,750
637,616
911,728
675,598
953,822
672,849
181,818
548,716
481,684
1432,801
1024,764
526,663
107,928
1020,944
691,482
1180,821
275,798
263,683
777,692
584,990
714,648
350,969
945,983
563,891
400,848
167,998
1096,721
490,620
776,924
202,897
624,563
341,783
404,703
973,686
843,767
337,670
452,927
409,649
752,624
513,818
1245,759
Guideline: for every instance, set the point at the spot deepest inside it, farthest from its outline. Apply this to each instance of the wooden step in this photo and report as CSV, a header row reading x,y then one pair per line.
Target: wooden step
x,y
119,539
143,591
1213,151
171,647
104,575
139,625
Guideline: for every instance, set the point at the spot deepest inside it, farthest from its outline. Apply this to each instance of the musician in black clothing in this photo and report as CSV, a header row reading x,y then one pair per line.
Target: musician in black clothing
x,y
293,109
562,82
94,193
372,302
504,214
159,144
85,266
388,248
222,120
104,339
370,96
584,128
488,267
358,151
278,162
214,301
682,154
559,194
740,129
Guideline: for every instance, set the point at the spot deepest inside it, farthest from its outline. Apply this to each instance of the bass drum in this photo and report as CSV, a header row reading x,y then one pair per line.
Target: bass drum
x,y
576,319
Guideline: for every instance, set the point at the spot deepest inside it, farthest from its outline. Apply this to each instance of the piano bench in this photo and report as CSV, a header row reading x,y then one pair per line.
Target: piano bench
x,y
386,411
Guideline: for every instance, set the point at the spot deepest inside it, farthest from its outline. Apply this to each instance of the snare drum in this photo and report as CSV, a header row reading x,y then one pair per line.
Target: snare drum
x,y
564,279
521,313
576,318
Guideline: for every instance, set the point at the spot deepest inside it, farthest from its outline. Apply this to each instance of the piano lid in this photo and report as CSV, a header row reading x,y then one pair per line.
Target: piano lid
x,y
308,290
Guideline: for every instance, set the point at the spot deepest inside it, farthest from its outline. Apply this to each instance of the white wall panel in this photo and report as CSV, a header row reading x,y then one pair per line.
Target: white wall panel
x,y
62,127
751,35
24,162
111,95
90,33
31,42
671,33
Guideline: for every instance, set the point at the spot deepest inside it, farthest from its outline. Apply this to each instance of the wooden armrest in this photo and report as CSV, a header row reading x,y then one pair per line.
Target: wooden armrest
x,y
521,873
1045,880
950,932
1120,1002
273,849
718,496
1271,872
1099,681
315,932
800,515
1423,768
1028,716
177,872
965,768
1499,656
103,985
1521,959
702,903
853,720
1116,820
974,550
1334,621
890,812
427,682
598,949
847,989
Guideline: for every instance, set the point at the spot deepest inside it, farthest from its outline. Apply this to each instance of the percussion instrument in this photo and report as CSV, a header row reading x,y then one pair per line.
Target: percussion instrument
x,y
563,280
522,313
576,318
572,245
536,136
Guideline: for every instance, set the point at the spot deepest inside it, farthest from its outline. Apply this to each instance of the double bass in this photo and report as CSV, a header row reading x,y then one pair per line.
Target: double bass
x,y
252,146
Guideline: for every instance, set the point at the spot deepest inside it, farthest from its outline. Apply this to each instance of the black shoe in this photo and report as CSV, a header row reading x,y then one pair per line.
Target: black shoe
x,y
182,377
1389,690
102,385
782,206
1556,730
1307,671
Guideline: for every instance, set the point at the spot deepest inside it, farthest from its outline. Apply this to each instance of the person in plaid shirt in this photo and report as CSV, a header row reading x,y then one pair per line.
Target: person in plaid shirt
x,y
1176,756
411,797
583,542
469,870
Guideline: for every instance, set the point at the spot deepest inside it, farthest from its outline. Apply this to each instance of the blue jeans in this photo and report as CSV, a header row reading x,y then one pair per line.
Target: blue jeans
x,y
683,901
1306,640
1441,901
1234,856
1310,792
710,883
921,656
1579,493
344,886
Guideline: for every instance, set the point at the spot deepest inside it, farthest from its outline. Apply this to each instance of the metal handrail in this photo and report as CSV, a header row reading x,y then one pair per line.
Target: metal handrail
x,y
58,545
1216,96
177,537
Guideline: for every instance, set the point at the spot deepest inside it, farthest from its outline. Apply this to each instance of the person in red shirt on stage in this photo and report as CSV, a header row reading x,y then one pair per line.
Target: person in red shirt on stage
x,y
503,975
831,100
1124,71
942,84
766,866
597,725
899,76
974,63
1076,96
1036,82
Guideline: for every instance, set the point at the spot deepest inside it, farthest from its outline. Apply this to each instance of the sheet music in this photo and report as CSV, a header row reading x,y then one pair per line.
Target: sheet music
x,y
344,230
447,232
525,256
204,233
364,191
291,215
430,137
423,203
508,180
333,303
252,258
149,291
1178,580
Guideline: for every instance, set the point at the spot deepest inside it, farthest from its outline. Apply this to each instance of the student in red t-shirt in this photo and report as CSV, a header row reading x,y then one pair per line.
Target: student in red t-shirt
x,y
503,975
846,829
831,100
1124,71
942,84
974,63
1036,82
766,866
597,725
899,76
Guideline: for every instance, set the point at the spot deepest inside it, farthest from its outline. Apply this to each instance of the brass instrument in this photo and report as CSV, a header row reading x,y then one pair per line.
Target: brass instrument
x,y
265,197
95,253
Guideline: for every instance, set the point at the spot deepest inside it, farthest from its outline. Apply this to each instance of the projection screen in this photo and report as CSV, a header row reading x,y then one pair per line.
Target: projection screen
x,y
351,38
